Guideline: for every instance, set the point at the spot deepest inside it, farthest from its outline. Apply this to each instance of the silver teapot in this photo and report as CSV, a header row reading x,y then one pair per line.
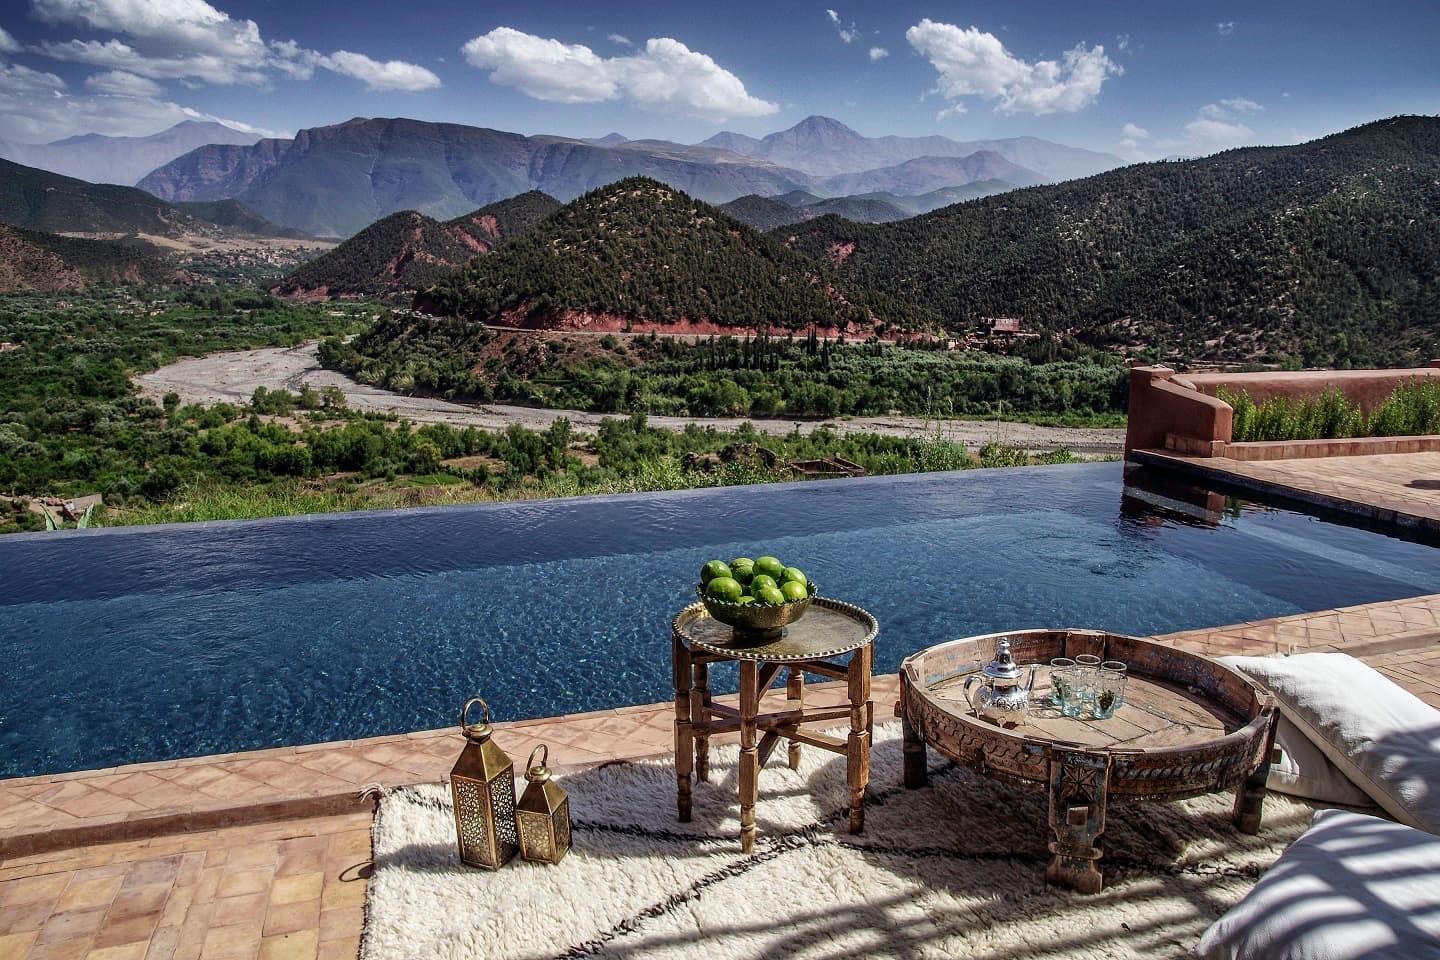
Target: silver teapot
x,y
1001,697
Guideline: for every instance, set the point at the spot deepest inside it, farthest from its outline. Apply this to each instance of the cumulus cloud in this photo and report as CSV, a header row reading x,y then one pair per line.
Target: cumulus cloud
x,y
878,53
192,40
849,34
974,63
1132,132
16,79
1225,27
666,76
390,75
1241,105
118,83
7,42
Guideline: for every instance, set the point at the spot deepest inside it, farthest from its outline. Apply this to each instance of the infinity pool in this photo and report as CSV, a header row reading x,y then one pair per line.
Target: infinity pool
x,y
132,644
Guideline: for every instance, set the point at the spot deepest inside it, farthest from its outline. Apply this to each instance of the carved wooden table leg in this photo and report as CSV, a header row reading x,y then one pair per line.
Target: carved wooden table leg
x,y
916,773
1250,797
862,722
700,710
1079,784
684,744
795,700
749,755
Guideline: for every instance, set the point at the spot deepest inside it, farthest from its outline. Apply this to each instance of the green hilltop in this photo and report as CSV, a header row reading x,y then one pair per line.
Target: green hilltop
x,y
407,251
1326,251
645,252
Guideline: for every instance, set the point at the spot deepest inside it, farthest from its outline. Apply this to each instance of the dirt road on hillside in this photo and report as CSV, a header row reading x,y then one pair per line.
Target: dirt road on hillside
x,y
233,376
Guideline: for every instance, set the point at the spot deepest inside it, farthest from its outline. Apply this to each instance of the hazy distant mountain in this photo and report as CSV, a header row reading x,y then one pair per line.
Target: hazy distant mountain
x,y
824,147
336,180
924,174
410,251
768,213
609,140
123,160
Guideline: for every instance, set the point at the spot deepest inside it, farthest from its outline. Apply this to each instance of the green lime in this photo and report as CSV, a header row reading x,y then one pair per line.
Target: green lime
x,y
746,599
793,575
770,595
742,569
794,590
762,580
770,566
724,588
713,569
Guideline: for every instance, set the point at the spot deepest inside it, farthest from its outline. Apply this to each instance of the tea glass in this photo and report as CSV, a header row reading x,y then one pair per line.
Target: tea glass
x,y
1109,694
1087,673
1065,691
1115,668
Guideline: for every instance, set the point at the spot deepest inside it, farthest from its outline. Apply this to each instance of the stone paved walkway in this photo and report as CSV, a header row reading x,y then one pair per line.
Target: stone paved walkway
x,y
1399,488
189,858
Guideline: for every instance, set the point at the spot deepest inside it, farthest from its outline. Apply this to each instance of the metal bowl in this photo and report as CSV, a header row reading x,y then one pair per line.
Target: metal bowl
x,y
757,618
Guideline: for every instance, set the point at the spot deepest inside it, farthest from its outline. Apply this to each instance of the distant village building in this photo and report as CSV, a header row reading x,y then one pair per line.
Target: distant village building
x,y
1004,330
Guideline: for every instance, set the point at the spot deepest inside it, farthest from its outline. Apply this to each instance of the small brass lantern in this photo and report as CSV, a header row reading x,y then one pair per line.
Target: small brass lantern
x,y
482,783
543,813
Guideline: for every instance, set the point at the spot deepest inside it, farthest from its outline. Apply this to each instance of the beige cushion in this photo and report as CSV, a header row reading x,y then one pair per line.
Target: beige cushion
x,y
1302,770
1382,737
1353,886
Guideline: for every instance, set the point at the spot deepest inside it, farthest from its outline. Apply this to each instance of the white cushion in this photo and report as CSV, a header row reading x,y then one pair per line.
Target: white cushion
x,y
1381,736
1352,886
1302,770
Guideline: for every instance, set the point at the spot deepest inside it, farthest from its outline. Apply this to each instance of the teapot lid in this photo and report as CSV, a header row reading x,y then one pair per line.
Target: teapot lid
x,y
1003,667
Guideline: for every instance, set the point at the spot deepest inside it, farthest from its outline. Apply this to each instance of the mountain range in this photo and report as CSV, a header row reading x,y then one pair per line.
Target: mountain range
x,y
122,160
334,180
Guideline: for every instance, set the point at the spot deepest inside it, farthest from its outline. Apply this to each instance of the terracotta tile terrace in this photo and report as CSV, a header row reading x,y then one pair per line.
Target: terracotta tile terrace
x,y
265,854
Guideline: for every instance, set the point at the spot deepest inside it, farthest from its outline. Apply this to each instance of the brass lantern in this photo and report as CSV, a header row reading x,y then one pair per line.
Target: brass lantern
x,y
482,783
543,813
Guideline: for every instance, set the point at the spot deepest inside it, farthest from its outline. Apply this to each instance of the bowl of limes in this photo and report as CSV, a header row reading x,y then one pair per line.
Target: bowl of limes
x,y
757,597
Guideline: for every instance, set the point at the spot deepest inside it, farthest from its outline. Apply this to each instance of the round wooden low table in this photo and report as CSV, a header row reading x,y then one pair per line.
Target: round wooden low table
x,y
1188,726
830,629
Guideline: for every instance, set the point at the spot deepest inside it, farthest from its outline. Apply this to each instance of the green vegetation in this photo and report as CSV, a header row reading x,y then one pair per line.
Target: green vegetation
x,y
1412,410
764,375
409,251
40,200
1323,253
30,260
647,252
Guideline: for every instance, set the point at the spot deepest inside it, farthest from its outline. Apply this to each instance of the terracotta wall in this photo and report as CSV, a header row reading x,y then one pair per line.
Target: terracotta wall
x,y
1181,408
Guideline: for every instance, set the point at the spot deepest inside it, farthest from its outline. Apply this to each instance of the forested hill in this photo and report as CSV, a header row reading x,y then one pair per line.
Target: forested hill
x,y
30,260
1328,252
408,251
640,251
40,200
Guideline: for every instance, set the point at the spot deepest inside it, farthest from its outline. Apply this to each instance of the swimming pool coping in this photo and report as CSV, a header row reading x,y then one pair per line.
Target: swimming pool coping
x,y
51,812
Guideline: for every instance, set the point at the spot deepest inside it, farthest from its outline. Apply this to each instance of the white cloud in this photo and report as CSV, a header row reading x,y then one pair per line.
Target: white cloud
x,y
1132,132
1225,27
848,34
391,75
1204,136
118,83
878,53
621,39
974,63
8,43
15,79
1241,105
666,76
192,40
1122,42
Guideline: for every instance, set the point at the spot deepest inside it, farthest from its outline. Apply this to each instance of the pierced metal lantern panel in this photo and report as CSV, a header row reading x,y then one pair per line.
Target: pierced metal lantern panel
x,y
482,785
543,814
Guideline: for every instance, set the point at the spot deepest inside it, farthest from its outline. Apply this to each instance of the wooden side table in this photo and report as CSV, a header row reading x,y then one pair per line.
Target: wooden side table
x,y
830,629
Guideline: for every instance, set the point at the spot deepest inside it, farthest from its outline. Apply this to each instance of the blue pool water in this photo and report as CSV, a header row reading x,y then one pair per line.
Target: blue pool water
x,y
136,644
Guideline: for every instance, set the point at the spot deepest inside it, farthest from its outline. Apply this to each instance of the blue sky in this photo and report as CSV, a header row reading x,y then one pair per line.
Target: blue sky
x,y
1138,79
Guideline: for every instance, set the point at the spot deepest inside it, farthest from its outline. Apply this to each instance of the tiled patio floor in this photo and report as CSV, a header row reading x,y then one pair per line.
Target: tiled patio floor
x,y
187,858
1402,488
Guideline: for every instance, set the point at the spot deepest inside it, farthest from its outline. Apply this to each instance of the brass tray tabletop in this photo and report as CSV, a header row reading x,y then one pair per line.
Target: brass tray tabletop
x,y
828,629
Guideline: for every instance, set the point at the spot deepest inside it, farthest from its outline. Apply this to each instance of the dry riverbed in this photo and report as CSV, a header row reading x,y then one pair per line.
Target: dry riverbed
x,y
232,377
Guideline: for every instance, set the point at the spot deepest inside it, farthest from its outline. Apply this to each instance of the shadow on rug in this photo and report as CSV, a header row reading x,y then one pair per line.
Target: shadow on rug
x,y
954,869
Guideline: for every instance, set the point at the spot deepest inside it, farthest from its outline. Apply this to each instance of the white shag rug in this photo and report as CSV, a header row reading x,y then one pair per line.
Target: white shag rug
x,y
955,869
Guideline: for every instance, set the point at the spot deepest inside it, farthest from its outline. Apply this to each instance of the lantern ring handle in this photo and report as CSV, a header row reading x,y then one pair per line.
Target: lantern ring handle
x,y
465,710
544,751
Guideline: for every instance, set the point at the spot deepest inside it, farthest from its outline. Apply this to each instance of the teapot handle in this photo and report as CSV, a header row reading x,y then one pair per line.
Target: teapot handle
x,y
969,680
